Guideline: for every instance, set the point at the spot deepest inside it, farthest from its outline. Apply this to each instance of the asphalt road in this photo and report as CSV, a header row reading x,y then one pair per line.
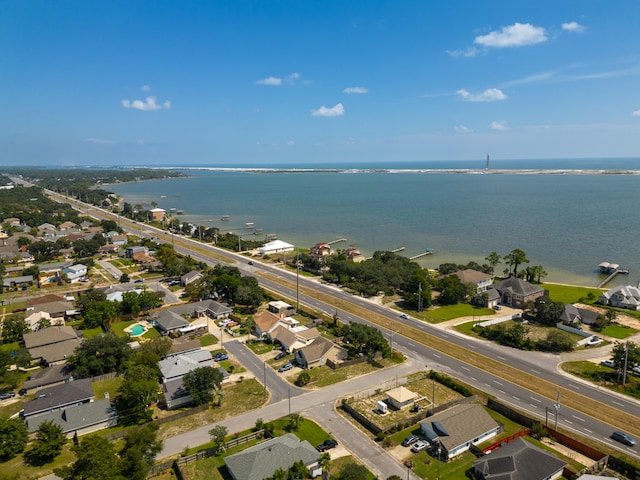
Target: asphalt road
x,y
542,366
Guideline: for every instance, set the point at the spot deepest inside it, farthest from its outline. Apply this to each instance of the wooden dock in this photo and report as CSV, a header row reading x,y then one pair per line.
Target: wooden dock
x,y
399,249
337,241
612,269
428,251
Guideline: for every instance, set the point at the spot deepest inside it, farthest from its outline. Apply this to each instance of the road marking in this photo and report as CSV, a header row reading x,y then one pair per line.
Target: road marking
x,y
436,355
536,399
578,418
471,346
573,386
516,398
501,358
568,421
445,336
474,379
534,406
617,403
535,371
502,392
411,344
498,383
465,368
587,430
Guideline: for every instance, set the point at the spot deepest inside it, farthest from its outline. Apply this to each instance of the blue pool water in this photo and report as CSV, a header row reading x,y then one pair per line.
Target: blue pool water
x,y
137,330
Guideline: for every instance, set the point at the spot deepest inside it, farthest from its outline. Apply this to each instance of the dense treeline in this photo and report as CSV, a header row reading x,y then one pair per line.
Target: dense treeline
x,y
33,207
384,272
227,284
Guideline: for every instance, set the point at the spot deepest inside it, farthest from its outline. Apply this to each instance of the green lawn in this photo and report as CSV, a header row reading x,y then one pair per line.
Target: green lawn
x,y
615,330
449,312
260,347
603,376
111,385
207,340
570,294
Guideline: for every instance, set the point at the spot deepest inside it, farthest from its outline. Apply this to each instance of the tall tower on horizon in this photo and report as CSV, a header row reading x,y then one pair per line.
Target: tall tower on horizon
x,y
486,168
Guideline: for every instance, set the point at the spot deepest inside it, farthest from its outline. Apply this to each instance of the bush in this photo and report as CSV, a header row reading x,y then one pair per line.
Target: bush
x,y
450,383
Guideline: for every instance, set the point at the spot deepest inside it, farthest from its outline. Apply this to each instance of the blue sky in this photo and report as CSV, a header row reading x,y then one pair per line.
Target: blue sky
x,y
271,82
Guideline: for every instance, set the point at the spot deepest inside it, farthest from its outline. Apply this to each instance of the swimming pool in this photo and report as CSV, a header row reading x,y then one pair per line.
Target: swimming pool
x,y
137,330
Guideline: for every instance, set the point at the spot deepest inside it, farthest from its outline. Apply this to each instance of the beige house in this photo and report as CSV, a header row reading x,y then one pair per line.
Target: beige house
x,y
401,397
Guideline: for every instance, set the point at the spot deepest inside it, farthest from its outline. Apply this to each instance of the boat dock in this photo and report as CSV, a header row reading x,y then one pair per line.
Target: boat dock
x,y
428,251
337,241
399,249
612,269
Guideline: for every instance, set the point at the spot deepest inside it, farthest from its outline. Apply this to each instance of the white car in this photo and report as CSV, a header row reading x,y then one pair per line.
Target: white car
x,y
608,363
419,446
404,315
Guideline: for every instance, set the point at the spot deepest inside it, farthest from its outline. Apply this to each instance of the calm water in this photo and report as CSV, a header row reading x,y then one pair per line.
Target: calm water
x,y
568,223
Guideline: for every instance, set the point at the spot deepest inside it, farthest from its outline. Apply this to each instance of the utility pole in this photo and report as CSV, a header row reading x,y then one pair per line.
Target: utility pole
x,y
624,370
557,408
297,281
419,297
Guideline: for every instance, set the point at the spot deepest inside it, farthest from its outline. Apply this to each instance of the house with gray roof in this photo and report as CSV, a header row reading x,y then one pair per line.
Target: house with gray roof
x,y
318,352
54,398
515,292
78,419
169,321
190,277
518,460
52,345
262,460
455,429
175,395
76,272
622,296
47,377
179,365
480,280
204,308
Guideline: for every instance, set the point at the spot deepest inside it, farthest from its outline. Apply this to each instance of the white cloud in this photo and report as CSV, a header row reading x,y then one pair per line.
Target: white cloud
x,y
516,35
355,90
99,141
636,113
149,104
498,125
145,88
293,76
462,129
489,95
272,81
573,27
467,52
291,143
334,111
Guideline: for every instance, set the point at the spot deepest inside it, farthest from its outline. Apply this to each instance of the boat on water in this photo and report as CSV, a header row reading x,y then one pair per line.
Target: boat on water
x,y
163,196
249,224
225,218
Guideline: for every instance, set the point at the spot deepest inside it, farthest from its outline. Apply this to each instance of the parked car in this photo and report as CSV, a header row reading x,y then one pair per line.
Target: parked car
x,y
285,367
608,363
419,446
218,357
5,396
250,262
280,355
139,281
410,440
327,445
497,307
623,437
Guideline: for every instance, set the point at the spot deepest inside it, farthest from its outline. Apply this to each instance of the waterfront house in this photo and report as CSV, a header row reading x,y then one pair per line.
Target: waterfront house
x,y
277,246
354,255
518,460
455,429
480,280
622,296
320,251
515,292
157,214
262,460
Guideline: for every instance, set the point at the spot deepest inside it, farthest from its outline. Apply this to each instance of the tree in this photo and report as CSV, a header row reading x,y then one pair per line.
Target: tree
x,y
627,351
48,444
514,259
105,353
13,437
43,323
295,419
136,393
556,341
353,471
453,290
99,313
298,470
218,435
325,463
96,459
494,259
141,445
124,278
13,328
201,383
303,378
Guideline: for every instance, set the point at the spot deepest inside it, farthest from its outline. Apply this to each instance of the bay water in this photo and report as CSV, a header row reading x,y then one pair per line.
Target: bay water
x,y
567,215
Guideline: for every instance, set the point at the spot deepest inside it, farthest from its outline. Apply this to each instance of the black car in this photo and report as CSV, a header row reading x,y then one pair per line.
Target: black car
x,y
218,357
327,445
280,355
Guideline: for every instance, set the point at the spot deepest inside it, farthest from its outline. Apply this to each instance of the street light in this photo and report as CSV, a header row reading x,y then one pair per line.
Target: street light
x,y
264,382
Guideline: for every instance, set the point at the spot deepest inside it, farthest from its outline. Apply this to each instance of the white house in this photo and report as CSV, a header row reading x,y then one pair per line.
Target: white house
x,y
75,273
277,246
622,296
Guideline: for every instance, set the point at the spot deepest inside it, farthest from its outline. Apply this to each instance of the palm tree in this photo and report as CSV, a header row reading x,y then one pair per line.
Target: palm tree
x,y
295,419
325,463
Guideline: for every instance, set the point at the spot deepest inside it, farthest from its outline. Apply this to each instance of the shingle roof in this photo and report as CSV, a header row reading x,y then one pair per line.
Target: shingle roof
x,y
170,320
76,417
47,376
69,393
266,320
463,423
518,460
284,336
471,276
316,350
518,286
402,394
262,460
179,365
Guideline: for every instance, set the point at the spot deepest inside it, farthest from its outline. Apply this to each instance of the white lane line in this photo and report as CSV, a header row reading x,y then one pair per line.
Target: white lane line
x,y
501,358
587,430
498,383
502,392
411,344
617,403
516,398
465,368
474,379
471,346
573,386
534,406
578,418
537,372
436,355
536,399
